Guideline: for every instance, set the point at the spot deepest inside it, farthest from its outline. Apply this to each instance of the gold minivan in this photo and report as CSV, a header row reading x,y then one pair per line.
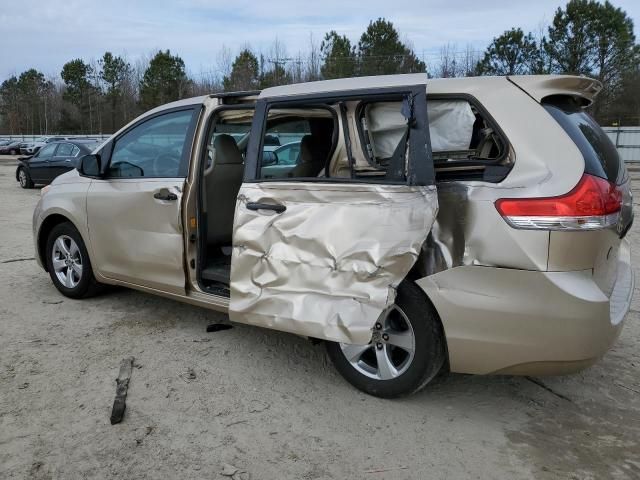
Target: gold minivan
x,y
475,225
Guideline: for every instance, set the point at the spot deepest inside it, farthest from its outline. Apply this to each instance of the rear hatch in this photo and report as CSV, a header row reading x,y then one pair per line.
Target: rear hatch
x,y
596,249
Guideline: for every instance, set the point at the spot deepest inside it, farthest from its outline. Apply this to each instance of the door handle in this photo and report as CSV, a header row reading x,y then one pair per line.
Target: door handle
x,y
266,206
165,194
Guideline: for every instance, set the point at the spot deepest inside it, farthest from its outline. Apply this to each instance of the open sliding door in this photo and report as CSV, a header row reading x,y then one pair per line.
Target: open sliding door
x,y
320,250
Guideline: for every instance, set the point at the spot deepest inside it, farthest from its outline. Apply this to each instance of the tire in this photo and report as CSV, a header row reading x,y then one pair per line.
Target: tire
x,y
68,255
412,315
24,179
13,152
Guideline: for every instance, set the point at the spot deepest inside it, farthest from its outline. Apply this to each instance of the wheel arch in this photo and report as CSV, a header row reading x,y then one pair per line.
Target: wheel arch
x,y
426,299
45,228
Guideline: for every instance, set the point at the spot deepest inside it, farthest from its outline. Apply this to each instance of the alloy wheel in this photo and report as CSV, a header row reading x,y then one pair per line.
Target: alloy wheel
x,y
391,350
67,261
22,176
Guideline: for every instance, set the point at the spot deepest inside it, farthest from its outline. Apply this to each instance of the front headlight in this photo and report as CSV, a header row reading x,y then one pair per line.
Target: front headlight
x,y
45,190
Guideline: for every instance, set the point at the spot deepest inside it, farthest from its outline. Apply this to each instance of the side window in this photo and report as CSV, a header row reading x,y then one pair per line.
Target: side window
x,y
233,124
384,129
65,150
459,131
47,151
153,148
75,151
457,128
297,143
376,137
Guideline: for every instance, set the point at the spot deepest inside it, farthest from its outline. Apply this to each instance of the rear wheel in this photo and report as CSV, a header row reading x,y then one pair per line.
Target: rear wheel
x,y
68,263
24,179
405,353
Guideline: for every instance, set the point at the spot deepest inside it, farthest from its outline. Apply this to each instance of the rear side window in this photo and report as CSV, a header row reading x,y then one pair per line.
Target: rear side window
x,y
600,155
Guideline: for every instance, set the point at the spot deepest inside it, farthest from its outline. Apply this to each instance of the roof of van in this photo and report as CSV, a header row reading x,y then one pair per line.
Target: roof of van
x,y
536,86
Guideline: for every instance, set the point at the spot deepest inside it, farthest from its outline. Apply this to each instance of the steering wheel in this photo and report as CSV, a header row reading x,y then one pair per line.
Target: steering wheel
x,y
166,162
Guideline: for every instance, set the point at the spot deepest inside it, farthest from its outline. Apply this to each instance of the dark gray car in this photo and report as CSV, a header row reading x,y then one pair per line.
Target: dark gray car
x,y
52,160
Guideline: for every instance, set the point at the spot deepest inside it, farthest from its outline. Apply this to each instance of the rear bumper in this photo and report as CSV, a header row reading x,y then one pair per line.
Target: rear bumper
x,y
525,322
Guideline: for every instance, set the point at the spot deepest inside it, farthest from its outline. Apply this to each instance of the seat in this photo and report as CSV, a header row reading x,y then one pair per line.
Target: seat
x,y
312,157
222,186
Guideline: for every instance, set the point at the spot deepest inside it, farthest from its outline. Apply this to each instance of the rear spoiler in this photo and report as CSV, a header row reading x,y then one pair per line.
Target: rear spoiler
x,y
540,86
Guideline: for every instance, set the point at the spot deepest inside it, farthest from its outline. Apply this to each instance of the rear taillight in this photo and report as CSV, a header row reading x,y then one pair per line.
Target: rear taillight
x,y
593,203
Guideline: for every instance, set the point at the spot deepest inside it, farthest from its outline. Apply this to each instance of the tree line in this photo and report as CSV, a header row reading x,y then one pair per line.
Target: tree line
x,y
586,37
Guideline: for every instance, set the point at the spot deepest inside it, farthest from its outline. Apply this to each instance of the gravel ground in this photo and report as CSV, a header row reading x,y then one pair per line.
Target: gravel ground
x,y
270,404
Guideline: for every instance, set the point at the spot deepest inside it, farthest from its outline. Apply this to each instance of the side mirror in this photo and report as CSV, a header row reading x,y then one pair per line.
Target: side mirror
x,y
90,166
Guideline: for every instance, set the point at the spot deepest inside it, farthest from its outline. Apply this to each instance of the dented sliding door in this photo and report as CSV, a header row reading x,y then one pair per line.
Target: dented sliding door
x,y
322,257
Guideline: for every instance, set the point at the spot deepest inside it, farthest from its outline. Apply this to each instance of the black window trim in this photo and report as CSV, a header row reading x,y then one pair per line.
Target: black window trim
x,y
183,169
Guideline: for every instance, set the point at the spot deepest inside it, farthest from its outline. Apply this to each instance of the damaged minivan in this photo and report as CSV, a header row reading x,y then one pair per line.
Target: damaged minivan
x,y
471,225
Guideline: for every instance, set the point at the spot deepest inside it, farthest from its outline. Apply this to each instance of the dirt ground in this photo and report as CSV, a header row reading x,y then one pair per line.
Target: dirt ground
x,y
269,404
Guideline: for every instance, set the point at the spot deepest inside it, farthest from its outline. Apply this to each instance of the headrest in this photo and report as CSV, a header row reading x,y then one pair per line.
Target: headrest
x,y
306,149
227,151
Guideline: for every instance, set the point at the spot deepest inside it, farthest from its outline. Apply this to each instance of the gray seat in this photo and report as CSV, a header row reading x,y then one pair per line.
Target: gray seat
x,y
313,155
222,186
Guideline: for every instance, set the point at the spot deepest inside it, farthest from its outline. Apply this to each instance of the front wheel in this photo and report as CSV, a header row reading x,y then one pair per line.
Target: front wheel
x,y
24,179
406,351
68,262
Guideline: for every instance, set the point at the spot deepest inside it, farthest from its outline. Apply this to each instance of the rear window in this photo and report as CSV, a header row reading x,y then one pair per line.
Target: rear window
x,y
600,155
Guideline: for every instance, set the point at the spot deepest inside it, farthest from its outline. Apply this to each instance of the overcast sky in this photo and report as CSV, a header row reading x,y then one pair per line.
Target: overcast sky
x,y
45,34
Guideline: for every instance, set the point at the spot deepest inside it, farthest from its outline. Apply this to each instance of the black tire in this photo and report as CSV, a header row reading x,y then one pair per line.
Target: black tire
x,y
87,285
429,355
13,152
25,182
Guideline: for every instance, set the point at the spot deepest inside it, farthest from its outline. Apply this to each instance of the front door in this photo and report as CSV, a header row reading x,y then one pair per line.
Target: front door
x,y
320,251
40,164
134,212
62,161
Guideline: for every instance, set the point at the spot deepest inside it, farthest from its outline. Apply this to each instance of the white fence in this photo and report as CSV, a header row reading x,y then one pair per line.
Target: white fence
x,y
627,141
31,138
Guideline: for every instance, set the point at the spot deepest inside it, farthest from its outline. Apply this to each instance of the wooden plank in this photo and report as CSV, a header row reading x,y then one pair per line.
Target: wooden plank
x,y
122,384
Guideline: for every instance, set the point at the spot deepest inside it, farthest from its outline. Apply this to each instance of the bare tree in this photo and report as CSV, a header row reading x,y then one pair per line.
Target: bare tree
x,y
314,60
448,66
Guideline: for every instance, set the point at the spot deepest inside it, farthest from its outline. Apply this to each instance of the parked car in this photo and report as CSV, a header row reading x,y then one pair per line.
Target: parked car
x,y
25,147
54,159
33,147
278,161
425,225
11,148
